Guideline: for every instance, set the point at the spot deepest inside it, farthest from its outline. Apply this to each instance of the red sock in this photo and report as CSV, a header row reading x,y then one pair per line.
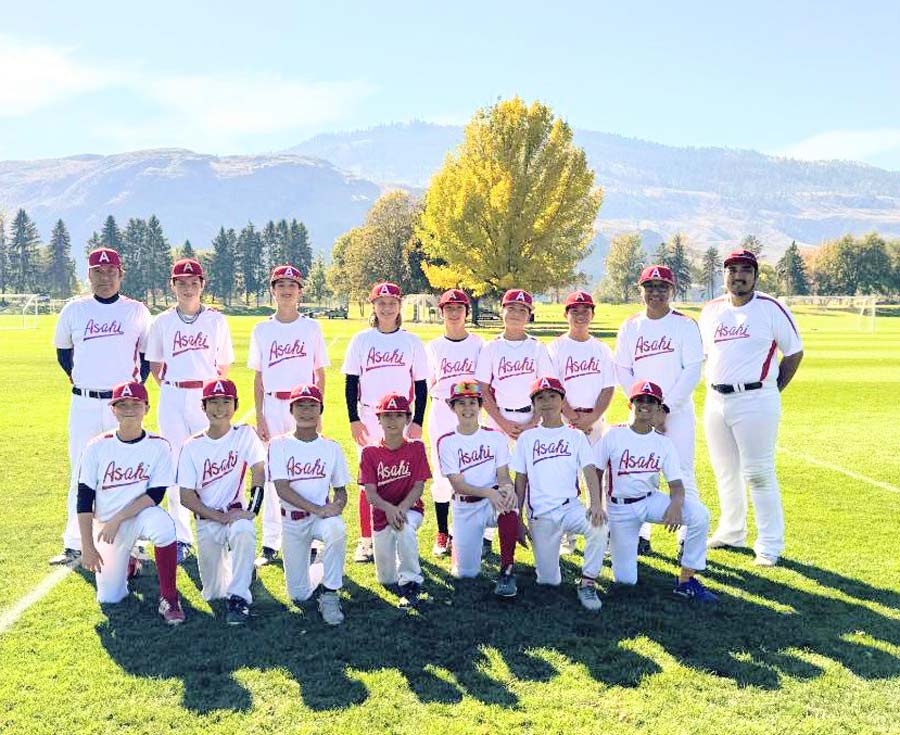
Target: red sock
x,y
508,525
166,568
365,515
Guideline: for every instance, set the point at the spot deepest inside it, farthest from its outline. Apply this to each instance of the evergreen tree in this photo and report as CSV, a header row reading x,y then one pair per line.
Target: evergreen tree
x,y
24,255
111,235
222,270
187,251
752,243
710,273
134,260
662,255
159,260
269,238
680,263
282,239
316,286
791,272
93,242
60,277
300,252
249,257
4,255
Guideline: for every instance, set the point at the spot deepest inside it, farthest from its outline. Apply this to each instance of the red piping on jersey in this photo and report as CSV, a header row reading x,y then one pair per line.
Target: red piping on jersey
x,y
137,365
440,439
783,311
609,480
768,362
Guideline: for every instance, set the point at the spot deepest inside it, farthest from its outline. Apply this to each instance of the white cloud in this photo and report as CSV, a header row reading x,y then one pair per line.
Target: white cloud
x,y
850,145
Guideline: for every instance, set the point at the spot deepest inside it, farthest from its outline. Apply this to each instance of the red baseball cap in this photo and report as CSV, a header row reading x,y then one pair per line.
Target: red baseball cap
x,y
186,268
517,296
219,388
657,273
547,383
103,256
392,403
288,272
384,289
579,298
130,390
465,389
645,388
741,256
306,392
453,296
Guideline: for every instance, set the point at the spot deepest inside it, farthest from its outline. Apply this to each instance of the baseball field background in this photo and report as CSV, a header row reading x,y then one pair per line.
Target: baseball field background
x,y
811,646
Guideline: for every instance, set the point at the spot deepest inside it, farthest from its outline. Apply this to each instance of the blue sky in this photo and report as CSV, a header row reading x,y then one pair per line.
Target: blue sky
x,y
806,79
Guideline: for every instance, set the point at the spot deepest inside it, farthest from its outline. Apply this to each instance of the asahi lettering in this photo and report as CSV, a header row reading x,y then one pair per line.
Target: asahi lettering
x,y
456,368
96,330
541,451
182,343
512,368
212,471
630,464
649,348
314,470
116,476
376,359
468,460
387,473
724,333
280,353
579,368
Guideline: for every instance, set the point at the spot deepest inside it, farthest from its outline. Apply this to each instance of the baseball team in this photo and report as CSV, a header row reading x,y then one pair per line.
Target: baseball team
x,y
540,466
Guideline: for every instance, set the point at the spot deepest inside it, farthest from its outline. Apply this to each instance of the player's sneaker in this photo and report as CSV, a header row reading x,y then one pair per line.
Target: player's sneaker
x,y
134,567
693,589
268,555
172,614
409,595
716,543
364,553
237,611
68,556
183,551
330,608
567,544
763,560
441,545
644,547
506,584
587,596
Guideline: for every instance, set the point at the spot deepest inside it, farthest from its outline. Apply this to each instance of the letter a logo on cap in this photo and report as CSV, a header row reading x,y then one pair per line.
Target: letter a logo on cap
x,y
655,273
188,268
520,296
580,296
385,290
392,403
305,390
647,388
289,272
104,258
126,391
219,387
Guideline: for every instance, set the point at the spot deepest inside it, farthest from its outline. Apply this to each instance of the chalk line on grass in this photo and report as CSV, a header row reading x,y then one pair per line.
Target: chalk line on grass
x,y
11,616
842,470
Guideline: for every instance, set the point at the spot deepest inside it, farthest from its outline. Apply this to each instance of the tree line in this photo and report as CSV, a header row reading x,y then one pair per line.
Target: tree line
x,y
29,266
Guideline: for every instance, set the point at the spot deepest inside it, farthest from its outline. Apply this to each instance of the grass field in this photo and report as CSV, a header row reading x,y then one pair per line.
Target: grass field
x,y
812,646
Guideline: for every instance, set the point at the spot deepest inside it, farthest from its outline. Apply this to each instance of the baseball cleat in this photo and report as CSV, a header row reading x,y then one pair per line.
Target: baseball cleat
x,y
506,585
587,596
409,596
693,589
134,567
183,551
68,556
172,614
268,555
237,611
364,553
644,547
441,545
763,560
715,543
567,545
330,608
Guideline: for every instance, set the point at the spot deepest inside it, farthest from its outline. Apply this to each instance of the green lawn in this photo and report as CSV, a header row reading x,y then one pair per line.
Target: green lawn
x,y
812,646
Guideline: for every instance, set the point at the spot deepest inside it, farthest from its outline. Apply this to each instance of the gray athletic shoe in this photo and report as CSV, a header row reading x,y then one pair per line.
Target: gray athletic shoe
x,y
268,555
644,547
762,560
587,596
237,611
506,585
409,596
330,608
67,557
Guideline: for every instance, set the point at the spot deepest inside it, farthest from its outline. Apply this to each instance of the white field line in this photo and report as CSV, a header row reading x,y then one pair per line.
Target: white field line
x,y
842,470
11,616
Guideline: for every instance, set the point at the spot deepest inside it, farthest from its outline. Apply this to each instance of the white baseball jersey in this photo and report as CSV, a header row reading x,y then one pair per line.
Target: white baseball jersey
x,y
631,462
312,468
451,361
740,341
476,456
106,338
190,351
216,468
121,471
287,353
552,459
510,367
585,368
385,362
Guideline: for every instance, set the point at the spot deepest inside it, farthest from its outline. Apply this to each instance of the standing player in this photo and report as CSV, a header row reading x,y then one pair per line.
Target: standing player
x,y
663,346
741,333
631,458
123,478
285,350
211,471
451,359
475,461
393,475
382,359
100,342
547,460
304,466
189,344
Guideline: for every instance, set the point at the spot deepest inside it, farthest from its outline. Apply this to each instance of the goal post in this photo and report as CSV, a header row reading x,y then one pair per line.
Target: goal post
x,y
19,310
858,312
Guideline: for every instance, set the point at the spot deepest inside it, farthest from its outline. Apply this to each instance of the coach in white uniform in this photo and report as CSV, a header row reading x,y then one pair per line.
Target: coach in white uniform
x,y
742,331
100,342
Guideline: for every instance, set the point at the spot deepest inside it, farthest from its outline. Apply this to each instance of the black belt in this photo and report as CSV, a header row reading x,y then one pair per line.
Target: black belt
x,y
467,498
524,409
726,389
295,515
583,410
628,501
103,394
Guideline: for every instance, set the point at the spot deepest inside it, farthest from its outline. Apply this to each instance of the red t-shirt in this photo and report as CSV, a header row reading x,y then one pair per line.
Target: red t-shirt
x,y
393,472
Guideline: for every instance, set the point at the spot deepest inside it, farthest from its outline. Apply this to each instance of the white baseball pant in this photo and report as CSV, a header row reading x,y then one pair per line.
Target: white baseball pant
x,y
547,531
397,552
88,417
741,433
625,522
441,420
225,553
468,526
151,524
180,416
519,418
277,413
297,539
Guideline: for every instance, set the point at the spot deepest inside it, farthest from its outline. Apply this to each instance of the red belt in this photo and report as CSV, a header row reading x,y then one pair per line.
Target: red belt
x,y
281,395
467,498
184,383
582,410
295,515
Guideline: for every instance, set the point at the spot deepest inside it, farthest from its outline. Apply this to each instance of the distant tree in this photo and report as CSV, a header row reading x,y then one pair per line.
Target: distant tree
x,y
4,255
767,282
283,243
111,235
711,266
223,265
316,288
268,237
135,260
752,243
874,268
680,263
623,267
851,266
24,255
249,257
351,273
299,250
662,255
159,260
93,242
187,251
60,274
791,272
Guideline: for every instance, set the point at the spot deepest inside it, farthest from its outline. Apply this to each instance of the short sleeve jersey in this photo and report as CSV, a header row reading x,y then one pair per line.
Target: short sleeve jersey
x,y
312,468
475,456
585,369
552,459
632,462
393,472
106,338
121,471
192,351
216,468
741,341
451,361
385,362
287,353
510,367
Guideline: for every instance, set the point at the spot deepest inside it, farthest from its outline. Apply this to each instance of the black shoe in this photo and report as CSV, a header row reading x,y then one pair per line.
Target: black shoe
x,y
506,585
237,611
486,545
66,558
409,596
268,555
644,548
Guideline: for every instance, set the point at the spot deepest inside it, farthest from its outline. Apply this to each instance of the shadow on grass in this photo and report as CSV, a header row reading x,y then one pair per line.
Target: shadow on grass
x,y
465,642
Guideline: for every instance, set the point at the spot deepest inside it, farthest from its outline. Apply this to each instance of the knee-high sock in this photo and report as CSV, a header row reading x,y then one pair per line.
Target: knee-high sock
x,y
508,524
167,568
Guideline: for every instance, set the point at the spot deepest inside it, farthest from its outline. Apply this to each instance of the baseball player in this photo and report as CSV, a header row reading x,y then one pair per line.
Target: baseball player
x,y
452,358
379,360
393,475
475,460
631,458
663,346
188,345
122,480
547,460
100,341
304,466
285,350
742,331
212,466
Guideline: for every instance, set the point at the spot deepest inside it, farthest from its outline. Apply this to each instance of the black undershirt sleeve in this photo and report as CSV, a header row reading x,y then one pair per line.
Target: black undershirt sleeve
x,y
66,358
421,389
351,395
86,495
145,368
156,494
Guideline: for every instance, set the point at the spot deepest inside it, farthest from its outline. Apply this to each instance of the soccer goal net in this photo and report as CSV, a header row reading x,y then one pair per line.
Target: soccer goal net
x,y
847,312
19,310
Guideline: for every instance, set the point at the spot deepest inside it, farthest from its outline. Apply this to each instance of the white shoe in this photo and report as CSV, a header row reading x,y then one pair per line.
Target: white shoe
x,y
587,596
762,560
716,543
330,608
